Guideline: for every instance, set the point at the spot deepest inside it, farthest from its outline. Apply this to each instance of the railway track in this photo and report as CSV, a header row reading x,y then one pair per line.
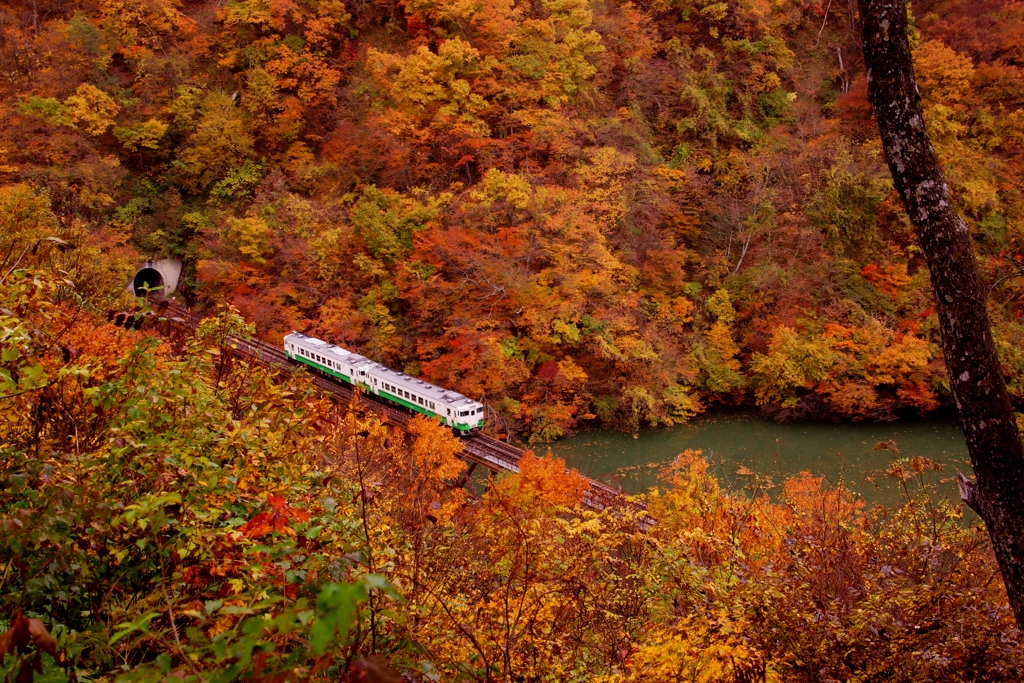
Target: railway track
x,y
480,450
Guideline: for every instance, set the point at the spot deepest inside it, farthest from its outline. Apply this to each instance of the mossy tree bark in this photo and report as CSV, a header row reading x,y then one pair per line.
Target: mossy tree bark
x,y
970,354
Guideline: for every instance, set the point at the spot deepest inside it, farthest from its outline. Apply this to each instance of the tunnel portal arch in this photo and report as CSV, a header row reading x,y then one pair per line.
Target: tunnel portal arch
x,y
160,277
147,280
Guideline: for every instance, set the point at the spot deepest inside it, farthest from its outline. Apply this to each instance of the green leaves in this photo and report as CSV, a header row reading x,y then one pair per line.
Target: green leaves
x,y
335,607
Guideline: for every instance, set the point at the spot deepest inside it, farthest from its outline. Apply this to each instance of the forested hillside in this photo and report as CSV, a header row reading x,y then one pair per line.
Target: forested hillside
x,y
168,514
574,211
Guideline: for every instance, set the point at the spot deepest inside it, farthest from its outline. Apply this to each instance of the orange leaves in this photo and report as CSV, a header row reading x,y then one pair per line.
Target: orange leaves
x,y
429,467
276,517
891,280
808,497
547,481
944,75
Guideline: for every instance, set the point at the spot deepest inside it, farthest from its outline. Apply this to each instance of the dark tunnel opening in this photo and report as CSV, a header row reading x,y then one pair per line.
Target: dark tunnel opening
x,y
147,278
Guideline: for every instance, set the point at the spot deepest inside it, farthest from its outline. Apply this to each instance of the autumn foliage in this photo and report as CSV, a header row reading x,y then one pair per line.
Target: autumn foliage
x,y
169,511
579,214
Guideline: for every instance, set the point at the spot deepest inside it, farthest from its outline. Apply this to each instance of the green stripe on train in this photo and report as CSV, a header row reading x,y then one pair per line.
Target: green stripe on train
x,y
407,404
313,364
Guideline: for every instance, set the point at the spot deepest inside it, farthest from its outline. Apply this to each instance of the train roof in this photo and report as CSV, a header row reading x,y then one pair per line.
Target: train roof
x,y
408,382
422,388
326,348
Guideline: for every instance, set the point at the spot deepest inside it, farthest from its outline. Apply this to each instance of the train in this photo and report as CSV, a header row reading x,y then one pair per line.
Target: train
x,y
464,415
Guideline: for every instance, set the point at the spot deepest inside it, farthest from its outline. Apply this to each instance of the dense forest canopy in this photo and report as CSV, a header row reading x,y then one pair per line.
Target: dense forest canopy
x,y
168,514
577,212
574,211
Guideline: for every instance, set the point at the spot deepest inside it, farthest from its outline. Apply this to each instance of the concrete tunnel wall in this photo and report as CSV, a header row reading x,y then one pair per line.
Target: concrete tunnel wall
x,y
164,273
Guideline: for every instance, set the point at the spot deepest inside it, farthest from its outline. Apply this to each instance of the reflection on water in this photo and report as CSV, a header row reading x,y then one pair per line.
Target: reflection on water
x,y
838,452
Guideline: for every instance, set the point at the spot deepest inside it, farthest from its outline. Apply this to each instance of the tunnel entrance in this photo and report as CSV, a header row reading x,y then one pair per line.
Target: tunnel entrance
x,y
147,278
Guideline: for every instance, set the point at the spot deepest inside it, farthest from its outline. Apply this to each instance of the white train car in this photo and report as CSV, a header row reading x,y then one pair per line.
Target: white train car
x,y
462,414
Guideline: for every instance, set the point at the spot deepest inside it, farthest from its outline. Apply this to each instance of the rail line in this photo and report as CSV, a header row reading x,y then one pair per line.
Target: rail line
x,y
479,450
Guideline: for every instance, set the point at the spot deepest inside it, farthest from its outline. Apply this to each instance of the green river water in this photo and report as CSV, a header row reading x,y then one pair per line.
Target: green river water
x,y
838,452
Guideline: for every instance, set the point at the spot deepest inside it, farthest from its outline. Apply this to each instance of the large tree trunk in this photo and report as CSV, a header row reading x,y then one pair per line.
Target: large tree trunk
x,y
971,361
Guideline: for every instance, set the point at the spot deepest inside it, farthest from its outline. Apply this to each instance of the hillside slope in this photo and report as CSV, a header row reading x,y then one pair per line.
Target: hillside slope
x,y
574,211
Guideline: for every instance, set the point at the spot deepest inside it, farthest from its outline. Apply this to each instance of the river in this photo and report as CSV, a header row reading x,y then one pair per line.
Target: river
x,y
839,452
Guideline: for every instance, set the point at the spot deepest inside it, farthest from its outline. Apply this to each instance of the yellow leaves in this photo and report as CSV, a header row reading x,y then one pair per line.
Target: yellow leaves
x,y
694,651
571,372
635,347
715,11
497,185
255,13
147,134
680,404
907,355
25,215
251,236
143,22
92,109
563,332
552,57
675,178
426,84
221,140
943,75
846,365
678,312
603,177
720,338
978,195
715,358
791,364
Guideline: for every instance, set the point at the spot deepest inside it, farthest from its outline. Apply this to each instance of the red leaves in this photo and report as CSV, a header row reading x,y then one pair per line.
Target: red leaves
x,y
889,280
22,633
548,370
276,518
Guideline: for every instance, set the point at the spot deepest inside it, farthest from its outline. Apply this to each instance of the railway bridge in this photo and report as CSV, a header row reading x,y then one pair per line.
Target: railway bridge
x,y
480,450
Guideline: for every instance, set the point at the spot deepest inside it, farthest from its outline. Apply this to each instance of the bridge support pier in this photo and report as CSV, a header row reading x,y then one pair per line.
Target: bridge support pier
x,y
466,481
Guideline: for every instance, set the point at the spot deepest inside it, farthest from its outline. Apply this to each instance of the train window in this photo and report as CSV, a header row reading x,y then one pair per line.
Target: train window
x,y
432,405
